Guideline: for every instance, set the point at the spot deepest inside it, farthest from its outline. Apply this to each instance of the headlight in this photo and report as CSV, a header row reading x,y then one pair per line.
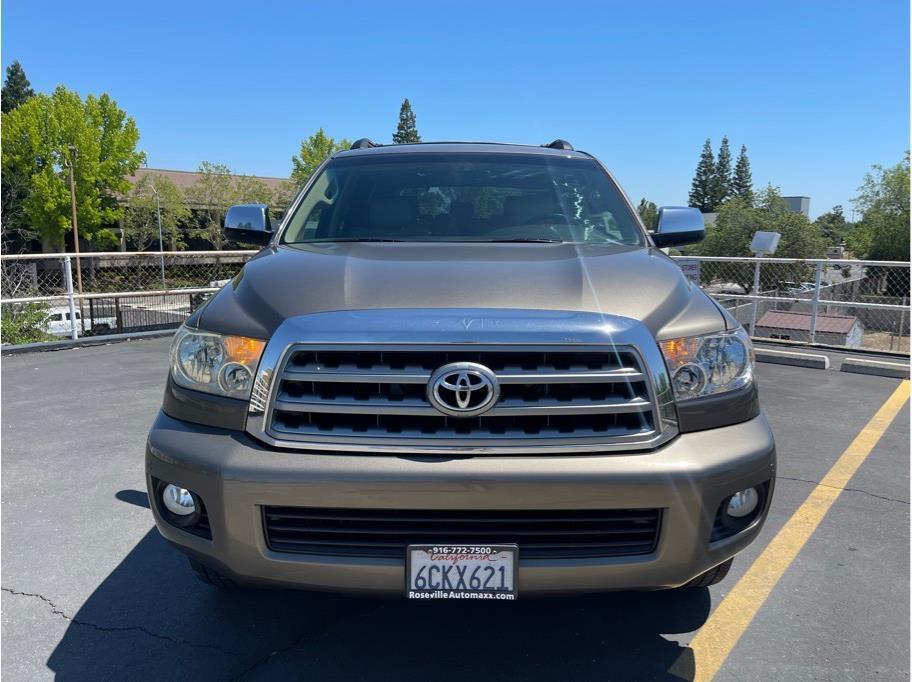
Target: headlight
x,y
705,365
215,363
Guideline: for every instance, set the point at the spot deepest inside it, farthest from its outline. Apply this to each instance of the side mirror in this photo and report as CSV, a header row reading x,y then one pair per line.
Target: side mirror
x,y
678,225
248,223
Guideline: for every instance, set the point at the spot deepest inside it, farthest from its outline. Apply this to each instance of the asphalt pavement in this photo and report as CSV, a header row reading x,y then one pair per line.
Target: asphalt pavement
x,y
91,591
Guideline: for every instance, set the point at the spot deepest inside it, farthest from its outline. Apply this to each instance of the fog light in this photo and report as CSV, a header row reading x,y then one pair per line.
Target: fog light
x,y
742,503
178,501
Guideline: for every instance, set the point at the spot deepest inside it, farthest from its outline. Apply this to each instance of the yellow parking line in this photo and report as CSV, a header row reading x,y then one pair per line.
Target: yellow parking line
x,y
727,624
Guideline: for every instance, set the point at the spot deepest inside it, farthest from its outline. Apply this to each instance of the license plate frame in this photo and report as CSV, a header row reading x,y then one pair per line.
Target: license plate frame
x,y
460,583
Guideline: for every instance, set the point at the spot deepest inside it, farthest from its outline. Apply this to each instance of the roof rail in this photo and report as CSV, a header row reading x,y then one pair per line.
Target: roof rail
x,y
560,144
364,143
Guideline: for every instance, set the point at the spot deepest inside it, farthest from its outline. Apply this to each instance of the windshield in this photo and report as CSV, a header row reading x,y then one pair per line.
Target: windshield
x,y
480,197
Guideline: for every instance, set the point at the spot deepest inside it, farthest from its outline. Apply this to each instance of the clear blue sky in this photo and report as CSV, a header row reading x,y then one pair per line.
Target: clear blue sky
x,y
818,90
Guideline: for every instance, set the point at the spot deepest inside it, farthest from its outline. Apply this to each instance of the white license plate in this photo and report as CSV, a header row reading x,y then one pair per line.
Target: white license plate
x,y
461,571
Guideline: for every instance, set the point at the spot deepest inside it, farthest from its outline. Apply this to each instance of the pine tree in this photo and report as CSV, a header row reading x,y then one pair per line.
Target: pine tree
x,y
742,183
16,88
722,175
701,189
406,131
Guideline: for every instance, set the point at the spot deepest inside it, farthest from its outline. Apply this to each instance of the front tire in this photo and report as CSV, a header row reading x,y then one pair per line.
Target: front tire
x,y
713,576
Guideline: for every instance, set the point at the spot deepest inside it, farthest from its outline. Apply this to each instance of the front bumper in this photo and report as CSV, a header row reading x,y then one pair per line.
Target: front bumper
x,y
236,476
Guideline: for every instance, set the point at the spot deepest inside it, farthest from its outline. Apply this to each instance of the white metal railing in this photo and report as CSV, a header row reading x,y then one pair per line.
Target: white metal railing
x,y
875,292
810,287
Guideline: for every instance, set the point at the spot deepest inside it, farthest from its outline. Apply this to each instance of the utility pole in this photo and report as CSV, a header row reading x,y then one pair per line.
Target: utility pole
x,y
161,246
70,163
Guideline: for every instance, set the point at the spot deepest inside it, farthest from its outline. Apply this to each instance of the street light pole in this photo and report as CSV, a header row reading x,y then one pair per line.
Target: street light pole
x,y
161,246
70,163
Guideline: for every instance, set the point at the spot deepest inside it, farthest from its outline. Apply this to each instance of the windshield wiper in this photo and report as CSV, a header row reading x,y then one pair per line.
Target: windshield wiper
x,y
351,239
523,240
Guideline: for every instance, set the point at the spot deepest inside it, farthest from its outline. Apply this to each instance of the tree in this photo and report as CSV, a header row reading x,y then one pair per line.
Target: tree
x,y
16,233
211,195
16,88
734,228
249,190
406,131
314,151
742,182
649,214
833,226
140,222
701,189
95,135
722,175
883,201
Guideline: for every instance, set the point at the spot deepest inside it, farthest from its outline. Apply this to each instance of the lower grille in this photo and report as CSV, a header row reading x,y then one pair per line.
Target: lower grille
x,y
542,534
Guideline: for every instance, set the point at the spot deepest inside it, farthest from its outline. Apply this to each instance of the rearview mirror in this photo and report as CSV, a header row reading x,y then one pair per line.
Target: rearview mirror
x,y
248,223
678,225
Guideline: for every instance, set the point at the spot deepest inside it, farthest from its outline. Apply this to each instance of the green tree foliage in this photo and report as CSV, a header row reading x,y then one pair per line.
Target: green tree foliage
x,y
214,192
140,222
833,226
16,88
701,189
249,190
24,323
406,131
734,228
314,150
211,195
39,138
649,214
722,175
742,185
883,201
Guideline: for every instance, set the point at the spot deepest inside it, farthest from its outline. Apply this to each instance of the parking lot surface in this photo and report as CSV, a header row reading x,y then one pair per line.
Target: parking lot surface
x,y
90,590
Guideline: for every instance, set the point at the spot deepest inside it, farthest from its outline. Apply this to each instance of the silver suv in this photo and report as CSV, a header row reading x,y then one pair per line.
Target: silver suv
x,y
461,371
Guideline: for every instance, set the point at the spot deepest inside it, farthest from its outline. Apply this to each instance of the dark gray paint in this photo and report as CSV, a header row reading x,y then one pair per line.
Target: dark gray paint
x,y
287,281
204,408
713,411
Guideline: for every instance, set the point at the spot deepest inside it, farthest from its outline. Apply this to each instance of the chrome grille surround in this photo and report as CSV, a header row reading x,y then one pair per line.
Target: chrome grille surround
x,y
286,388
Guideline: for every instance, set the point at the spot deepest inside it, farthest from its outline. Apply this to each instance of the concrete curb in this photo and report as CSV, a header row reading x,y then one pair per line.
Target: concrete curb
x,y
876,367
85,342
784,357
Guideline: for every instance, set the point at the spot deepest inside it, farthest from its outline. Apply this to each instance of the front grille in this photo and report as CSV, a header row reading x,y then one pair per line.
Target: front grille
x,y
541,534
547,397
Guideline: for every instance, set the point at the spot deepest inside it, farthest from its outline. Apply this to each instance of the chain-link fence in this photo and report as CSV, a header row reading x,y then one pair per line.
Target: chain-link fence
x,y
857,304
111,292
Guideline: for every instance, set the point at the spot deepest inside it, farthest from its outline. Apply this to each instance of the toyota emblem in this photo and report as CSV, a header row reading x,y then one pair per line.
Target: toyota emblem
x,y
463,389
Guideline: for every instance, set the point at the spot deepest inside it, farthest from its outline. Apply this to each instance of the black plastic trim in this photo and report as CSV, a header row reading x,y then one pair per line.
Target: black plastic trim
x,y
204,408
713,411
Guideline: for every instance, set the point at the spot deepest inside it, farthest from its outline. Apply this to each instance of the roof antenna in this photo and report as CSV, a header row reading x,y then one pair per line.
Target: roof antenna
x,y
560,144
364,143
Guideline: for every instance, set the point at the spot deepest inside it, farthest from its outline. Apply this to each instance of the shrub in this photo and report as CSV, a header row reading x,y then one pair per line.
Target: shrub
x,y
24,323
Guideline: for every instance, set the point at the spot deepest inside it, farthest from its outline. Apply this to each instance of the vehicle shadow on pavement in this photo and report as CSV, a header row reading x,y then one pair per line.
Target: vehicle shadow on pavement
x,y
150,618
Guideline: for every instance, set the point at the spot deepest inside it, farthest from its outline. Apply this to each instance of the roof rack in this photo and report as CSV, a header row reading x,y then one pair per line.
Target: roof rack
x,y
558,144
364,143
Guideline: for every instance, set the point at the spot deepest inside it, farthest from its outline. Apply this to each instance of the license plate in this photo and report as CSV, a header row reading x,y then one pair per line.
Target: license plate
x,y
461,571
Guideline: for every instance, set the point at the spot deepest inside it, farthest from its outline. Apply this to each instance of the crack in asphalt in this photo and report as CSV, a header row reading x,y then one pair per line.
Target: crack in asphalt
x,y
309,634
57,611
848,490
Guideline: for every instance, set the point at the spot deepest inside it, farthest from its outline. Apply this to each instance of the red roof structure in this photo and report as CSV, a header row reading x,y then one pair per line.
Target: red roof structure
x,y
789,319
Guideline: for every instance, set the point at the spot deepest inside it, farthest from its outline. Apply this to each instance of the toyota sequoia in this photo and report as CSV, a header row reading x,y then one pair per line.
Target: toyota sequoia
x,y
461,370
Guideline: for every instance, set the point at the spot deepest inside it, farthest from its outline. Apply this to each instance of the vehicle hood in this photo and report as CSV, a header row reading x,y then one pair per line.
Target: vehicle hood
x,y
287,281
